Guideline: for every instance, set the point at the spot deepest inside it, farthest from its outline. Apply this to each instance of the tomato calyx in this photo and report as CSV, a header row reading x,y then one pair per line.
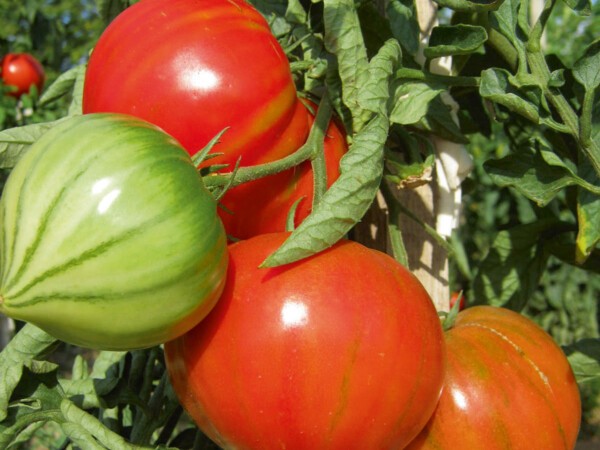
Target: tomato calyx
x,y
449,317
312,149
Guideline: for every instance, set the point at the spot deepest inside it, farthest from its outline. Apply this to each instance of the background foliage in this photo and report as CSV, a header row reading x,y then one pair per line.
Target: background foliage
x,y
530,230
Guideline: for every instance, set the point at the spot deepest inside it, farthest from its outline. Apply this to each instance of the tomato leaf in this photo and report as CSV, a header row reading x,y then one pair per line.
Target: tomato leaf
x,y
467,5
14,142
588,211
343,38
496,86
404,24
584,357
511,271
29,343
458,39
412,101
62,86
361,171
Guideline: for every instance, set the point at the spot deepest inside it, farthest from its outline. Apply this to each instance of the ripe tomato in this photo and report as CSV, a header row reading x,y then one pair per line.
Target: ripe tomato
x,y
22,70
262,206
195,67
508,386
341,350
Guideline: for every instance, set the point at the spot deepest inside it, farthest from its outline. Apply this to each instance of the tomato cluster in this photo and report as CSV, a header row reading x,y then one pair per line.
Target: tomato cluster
x,y
108,215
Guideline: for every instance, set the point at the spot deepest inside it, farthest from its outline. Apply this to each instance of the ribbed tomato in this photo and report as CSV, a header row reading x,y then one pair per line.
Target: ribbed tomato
x,y
262,206
508,386
341,350
108,237
195,67
22,71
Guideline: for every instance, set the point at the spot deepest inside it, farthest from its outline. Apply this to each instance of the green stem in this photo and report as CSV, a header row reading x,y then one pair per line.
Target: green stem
x,y
449,80
585,121
540,69
307,151
534,43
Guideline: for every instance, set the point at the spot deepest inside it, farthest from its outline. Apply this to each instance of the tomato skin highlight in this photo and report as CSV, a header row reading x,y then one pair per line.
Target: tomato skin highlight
x,y
508,385
341,350
194,68
108,236
22,71
262,206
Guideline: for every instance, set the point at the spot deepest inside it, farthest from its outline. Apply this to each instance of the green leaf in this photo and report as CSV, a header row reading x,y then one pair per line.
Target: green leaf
x,y
495,86
14,142
473,6
344,39
36,398
511,271
440,122
374,96
62,86
345,202
538,174
412,100
582,7
587,69
506,20
76,106
584,357
361,171
404,25
588,214
29,343
458,39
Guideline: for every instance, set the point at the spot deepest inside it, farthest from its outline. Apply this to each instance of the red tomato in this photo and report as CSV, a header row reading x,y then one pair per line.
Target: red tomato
x,y
343,350
195,67
454,297
508,386
22,70
262,206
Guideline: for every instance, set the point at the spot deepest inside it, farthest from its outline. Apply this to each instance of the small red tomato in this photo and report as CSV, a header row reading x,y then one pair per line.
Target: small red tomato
x,y
21,71
342,350
508,386
454,298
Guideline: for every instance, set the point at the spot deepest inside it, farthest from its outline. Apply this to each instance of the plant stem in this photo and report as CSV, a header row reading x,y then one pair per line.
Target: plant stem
x,y
449,80
308,151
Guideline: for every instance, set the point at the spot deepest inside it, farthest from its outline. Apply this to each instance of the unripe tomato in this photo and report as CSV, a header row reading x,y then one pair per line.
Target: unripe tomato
x,y
195,67
508,386
108,237
342,350
262,206
21,71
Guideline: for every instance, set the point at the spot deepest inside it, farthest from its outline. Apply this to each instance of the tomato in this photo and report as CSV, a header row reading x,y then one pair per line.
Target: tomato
x,y
195,67
454,298
340,350
21,71
262,206
108,237
508,386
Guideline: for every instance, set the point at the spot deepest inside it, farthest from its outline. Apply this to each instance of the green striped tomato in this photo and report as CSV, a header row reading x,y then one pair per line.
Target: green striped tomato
x,y
109,238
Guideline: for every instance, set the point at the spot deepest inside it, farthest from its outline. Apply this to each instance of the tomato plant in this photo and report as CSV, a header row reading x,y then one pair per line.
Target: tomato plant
x,y
195,68
21,71
105,217
304,355
262,206
508,385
